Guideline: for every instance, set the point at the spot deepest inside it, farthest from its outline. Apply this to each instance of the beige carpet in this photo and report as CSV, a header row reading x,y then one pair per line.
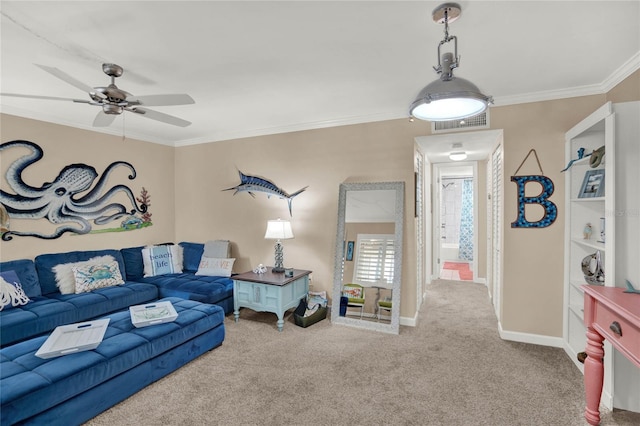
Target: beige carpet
x,y
452,369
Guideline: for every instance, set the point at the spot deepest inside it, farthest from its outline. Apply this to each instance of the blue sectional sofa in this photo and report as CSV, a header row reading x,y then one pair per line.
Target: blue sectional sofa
x,y
187,285
50,309
73,388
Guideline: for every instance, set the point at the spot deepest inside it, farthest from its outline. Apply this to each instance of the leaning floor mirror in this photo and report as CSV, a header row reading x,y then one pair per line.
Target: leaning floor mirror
x,y
368,259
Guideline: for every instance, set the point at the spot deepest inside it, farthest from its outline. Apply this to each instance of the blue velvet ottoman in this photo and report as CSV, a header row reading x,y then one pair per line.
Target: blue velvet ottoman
x,y
72,389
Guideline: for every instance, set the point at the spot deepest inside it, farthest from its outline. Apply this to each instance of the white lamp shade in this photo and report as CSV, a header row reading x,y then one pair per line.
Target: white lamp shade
x,y
278,230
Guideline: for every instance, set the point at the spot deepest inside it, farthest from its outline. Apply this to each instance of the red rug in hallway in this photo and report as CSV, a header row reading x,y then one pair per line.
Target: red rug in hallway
x,y
463,270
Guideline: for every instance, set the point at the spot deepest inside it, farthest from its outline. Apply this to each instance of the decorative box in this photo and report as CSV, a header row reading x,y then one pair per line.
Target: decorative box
x,y
72,338
152,313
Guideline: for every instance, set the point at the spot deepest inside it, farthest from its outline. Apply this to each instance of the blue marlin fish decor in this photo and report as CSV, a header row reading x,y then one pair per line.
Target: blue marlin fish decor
x,y
550,209
251,184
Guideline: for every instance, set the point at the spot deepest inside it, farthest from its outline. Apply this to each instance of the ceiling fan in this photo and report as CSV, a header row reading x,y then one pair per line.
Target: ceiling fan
x,y
115,101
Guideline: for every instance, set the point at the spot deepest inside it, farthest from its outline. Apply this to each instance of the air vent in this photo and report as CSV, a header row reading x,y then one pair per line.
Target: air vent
x,y
480,121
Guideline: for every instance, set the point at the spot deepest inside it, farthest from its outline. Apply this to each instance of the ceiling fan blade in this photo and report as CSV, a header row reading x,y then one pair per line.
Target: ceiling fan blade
x,y
68,79
162,100
159,116
103,120
49,98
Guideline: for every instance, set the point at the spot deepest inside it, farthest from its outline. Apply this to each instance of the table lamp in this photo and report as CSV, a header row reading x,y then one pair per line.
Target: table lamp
x,y
278,230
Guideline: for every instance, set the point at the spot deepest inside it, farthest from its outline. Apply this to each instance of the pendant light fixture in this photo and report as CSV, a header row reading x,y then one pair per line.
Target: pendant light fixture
x,y
449,97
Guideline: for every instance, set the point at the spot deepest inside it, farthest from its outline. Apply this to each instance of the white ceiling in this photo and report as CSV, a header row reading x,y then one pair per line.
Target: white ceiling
x,y
268,67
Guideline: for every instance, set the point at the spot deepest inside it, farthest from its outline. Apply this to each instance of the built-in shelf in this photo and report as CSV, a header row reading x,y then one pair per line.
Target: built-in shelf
x,y
616,127
588,200
590,134
596,245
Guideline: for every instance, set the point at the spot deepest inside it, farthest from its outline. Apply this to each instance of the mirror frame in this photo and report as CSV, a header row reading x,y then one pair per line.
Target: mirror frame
x,y
394,326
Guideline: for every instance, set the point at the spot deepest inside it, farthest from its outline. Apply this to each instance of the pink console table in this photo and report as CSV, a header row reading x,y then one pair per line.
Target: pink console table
x,y
610,314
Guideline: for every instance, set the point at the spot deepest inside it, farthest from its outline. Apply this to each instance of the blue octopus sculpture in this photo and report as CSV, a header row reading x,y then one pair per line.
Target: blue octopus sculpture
x,y
61,201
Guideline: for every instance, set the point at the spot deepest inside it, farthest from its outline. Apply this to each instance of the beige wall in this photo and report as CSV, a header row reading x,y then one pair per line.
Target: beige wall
x,y
63,146
322,159
628,90
532,279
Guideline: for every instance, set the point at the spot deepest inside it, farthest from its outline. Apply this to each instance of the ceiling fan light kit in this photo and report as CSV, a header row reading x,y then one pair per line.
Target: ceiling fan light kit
x,y
114,101
449,97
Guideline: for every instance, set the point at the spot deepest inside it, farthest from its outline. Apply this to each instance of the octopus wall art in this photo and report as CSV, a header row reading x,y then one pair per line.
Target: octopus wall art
x,y
69,202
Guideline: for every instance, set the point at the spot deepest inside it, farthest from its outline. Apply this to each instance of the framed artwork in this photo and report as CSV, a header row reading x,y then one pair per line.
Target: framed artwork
x,y
592,184
350,246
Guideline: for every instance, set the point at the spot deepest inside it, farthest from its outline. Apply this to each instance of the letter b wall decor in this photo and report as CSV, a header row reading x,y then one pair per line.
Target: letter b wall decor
x,y
550,209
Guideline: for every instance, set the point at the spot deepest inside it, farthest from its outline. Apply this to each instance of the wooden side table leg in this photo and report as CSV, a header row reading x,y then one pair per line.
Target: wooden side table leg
x,y
593,376
280,321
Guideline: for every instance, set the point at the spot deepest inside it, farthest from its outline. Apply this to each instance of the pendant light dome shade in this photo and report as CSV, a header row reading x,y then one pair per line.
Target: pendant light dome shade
x,y
449,97
453,99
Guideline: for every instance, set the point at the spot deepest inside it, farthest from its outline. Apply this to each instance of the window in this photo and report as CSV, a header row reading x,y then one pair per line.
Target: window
x,y
374,260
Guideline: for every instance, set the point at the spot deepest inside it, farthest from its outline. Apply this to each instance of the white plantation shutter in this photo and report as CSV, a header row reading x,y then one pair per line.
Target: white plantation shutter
x,y
496,216
374,260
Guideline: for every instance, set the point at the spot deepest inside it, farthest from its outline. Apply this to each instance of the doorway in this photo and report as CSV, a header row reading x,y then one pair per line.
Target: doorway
x,y
479,146
456,221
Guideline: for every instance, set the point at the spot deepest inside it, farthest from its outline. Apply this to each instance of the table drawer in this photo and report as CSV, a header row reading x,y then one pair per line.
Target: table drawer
x,y
628,342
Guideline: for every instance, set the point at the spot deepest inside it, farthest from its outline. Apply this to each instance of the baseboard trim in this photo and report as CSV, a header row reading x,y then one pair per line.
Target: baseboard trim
x,y
534,339
410,322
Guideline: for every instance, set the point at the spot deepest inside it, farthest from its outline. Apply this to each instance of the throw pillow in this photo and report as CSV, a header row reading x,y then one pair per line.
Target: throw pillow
x,y
65,279
11,293
91,277
215,267
160,260
218,249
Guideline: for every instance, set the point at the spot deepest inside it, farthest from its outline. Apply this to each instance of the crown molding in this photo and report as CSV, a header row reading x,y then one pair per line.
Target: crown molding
x,y
618,76
299,127
52,118
624,71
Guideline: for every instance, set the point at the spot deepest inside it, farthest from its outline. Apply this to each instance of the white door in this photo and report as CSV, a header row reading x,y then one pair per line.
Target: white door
x,y
419,222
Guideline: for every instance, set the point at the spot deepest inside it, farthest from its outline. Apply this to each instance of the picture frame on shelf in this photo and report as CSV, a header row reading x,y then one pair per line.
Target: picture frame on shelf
x,y
592,184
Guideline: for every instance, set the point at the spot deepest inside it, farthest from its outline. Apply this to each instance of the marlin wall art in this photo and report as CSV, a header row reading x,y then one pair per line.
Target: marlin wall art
x,y
251,184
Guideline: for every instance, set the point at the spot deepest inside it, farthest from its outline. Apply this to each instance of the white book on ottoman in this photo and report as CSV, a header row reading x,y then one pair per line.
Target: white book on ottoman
x,y
152,313
72,338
